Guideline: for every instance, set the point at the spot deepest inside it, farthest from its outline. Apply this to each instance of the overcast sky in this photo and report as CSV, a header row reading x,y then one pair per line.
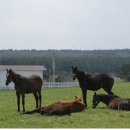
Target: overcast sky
x,y
64,24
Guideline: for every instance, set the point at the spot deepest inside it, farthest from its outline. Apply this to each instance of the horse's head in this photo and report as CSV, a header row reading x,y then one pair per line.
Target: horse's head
x,y
9,76
74,72
79,99
95,100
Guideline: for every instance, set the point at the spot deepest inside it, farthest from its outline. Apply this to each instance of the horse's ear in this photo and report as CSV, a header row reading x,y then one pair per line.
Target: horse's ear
x,y
81,97
72,67
10,70
95,94
7,70
76,97
76,67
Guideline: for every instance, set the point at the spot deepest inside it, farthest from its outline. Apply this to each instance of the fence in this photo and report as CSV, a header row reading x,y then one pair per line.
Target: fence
x,y
49,85
59,84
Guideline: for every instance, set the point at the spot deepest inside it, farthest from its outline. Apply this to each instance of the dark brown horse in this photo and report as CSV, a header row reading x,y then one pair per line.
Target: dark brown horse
x,y
106,99
92,82
61,108
111,101
31,84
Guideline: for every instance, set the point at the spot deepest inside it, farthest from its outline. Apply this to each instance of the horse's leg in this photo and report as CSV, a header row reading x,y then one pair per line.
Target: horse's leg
x,y
108,90
36,98
40,97
23,101
18,100
84,93
110,93
108,87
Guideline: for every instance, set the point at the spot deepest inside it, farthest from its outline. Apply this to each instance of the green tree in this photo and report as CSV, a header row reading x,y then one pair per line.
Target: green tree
x,y
125,72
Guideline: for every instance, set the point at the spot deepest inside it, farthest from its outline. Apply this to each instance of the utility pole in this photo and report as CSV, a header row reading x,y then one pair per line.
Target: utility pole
x,y
53,67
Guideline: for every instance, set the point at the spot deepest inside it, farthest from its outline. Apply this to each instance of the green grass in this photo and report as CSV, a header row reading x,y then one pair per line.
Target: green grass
x,y
90,118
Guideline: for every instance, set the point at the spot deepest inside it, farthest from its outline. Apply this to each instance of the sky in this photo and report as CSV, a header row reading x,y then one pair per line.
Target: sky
x,y
64,24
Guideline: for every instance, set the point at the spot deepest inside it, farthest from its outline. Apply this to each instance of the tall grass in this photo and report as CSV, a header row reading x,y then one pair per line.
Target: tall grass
x,y
100,117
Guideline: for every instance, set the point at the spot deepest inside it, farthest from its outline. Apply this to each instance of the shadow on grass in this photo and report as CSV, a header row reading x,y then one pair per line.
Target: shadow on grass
x,y
101,108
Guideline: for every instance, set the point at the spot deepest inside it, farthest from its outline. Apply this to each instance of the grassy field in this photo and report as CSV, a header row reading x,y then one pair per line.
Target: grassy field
x,y
90,118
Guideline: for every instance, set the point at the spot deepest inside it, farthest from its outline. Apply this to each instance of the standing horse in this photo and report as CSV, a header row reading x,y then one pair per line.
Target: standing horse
x,y
92,82
111,101
31,84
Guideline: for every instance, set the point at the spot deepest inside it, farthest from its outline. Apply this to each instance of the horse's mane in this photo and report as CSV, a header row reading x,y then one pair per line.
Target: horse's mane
x,y
18,77
105,95
83,74
107,98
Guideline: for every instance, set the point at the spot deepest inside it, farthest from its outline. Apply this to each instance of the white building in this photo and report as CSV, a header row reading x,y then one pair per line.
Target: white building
x,y
25,70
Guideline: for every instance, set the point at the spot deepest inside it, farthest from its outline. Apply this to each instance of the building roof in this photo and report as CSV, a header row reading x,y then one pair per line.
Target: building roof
x,y
23,67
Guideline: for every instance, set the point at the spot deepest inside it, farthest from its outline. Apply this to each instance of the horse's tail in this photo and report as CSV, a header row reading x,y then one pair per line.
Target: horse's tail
x,y
37,110
31,112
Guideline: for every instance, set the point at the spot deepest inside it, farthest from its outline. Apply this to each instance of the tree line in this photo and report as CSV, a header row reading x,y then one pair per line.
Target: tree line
x,y
95,61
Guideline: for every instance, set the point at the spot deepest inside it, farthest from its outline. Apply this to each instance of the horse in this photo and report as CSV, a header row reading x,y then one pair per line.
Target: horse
x,y
54,109
106,99
92,82
25,85
61,108
111,101
120,104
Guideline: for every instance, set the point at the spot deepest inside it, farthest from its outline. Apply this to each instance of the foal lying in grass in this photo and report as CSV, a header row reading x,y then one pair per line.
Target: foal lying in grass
x,y
61,108
111,101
